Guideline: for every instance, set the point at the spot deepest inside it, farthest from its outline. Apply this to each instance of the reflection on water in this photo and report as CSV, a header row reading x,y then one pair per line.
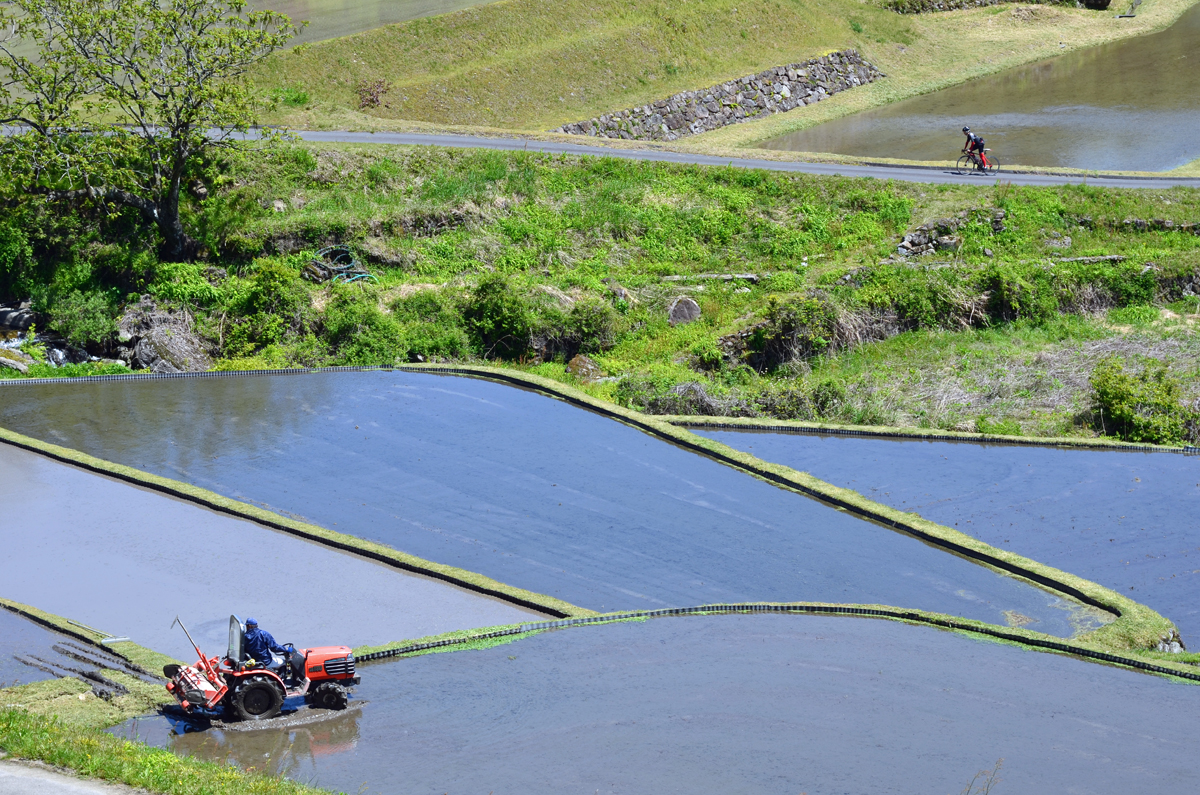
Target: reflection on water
x,y
279,750
329,19
1130,105
524,489
762,704
1123,519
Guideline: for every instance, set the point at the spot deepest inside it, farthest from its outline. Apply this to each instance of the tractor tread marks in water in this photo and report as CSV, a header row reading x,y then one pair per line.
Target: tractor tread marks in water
x,y
256,698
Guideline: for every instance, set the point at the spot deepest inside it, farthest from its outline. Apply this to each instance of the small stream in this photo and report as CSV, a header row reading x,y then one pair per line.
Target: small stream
x,y
1126,106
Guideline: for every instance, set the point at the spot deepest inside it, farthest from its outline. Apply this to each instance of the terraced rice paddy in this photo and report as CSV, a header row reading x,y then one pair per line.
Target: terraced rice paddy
x,y
753,704
520,487
1124,519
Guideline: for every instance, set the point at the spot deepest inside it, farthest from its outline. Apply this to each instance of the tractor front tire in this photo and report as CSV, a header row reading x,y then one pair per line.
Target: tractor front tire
x,y
329,695
257,698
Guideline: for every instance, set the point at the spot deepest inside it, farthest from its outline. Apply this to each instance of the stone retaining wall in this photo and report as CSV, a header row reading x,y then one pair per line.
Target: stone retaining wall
x,y
927,6
773,91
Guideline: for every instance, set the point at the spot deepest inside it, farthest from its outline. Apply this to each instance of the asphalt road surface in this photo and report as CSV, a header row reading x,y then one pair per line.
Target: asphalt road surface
x,y
931,174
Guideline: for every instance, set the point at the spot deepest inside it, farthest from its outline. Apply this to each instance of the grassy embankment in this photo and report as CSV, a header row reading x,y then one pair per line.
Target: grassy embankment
x,y
531,65
528,259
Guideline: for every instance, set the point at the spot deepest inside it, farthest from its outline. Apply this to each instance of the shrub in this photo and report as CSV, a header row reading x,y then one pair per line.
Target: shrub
x,y
432,326
15,254
84,318
794,329
1142,407
498,319
360,334
589,327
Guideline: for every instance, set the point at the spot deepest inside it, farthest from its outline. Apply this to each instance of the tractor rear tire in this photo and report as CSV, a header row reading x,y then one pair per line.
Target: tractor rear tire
x,y
257,698
329,695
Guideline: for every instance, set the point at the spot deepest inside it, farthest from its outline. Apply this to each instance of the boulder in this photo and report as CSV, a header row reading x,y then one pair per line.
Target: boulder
x,y
16,317
683,310
15,360
583,368
162,339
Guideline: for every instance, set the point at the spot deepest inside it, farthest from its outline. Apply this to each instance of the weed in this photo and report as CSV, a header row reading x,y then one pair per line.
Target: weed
x,y
1145,406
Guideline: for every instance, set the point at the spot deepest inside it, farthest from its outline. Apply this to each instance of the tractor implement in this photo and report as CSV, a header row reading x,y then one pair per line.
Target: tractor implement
x,y
248,690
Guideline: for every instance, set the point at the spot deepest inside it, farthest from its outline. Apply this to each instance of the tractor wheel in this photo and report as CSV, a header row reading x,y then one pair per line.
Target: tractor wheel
x,y
257,698
329,695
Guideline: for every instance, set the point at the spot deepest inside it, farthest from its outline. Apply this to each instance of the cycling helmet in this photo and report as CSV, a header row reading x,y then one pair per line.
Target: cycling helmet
x,y
966,129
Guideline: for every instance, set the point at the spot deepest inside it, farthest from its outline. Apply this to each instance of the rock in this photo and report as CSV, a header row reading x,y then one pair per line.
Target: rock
x,y
584,369
620,292
949,243
279,205
683,310
16,317
15,360
164,339
1171,643
987,252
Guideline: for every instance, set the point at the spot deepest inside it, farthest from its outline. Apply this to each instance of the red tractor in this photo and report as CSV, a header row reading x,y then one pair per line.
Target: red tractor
x,y
251,692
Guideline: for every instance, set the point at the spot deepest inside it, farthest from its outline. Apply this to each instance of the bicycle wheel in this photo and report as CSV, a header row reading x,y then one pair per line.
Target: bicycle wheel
x,y
965,166
993,167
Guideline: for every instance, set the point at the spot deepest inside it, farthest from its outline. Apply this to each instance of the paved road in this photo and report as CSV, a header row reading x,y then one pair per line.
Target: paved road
x,y
18,778
903,173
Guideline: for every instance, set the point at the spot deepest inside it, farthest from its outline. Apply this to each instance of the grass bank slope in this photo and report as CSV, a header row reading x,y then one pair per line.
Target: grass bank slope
x,y
535,64
532,65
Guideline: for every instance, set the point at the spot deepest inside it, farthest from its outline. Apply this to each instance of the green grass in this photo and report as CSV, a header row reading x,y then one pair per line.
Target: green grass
x,y
534,64
94,754
998,337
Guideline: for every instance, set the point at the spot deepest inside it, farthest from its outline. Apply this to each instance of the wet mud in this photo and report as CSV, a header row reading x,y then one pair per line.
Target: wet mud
x,y
127,560
518,486
1129,105
1126,520
749,704
20,636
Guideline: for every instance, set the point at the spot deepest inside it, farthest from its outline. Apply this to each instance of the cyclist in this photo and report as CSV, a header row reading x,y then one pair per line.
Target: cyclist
x,y
974,147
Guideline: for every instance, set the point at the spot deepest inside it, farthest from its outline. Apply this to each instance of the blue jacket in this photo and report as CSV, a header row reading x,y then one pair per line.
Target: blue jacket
x,y
259,644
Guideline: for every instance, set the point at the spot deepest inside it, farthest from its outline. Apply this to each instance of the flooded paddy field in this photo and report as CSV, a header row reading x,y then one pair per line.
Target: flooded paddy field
x,y
743,704
330,19
1129,105
20,636
517,486
125,560
1126,520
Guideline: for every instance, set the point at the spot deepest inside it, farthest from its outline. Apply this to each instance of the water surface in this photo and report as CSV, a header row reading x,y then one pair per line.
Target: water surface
x,y
127,560
1130,105
1126,520
19,635
746,704
330,19
518,486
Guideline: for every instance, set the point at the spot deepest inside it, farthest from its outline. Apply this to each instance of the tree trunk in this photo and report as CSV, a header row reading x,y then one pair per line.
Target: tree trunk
x,y
177,245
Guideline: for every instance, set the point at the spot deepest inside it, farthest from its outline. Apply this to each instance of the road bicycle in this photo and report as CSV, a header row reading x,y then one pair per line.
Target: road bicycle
x,y
971,162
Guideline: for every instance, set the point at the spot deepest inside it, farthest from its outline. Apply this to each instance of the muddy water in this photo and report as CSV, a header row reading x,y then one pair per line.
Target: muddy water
x,y
748,704
21,636
329,19
1126,520
1130,105
126,561
518,486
